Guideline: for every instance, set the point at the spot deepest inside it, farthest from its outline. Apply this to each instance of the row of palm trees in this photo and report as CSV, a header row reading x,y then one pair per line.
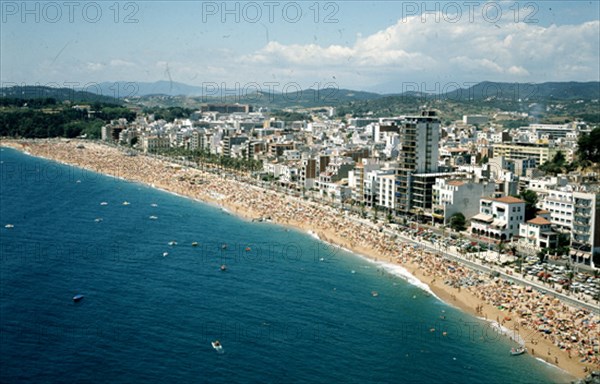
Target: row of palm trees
x,y
204,158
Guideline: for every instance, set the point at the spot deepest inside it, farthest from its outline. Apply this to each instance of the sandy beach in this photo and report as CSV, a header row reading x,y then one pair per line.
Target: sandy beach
x,y
557,333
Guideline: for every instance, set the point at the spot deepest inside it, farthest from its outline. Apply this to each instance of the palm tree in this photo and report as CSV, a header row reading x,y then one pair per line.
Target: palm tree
x,y
570,277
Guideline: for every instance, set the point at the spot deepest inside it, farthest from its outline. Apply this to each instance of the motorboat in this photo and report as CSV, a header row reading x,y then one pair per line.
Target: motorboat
x,y
195,244
217,346
518,351
9,226
172,242
78,297
153,217
126,203
104,203
223,267
374,293
165,254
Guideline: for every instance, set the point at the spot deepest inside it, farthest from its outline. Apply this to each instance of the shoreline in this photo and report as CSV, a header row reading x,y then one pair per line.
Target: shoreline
x,y
183,182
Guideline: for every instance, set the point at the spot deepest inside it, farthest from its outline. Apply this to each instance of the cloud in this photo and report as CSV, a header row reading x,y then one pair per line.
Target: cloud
x,y
121,63
93,67
463,50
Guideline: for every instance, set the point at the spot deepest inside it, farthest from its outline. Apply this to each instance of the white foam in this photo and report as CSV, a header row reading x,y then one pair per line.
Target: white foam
x,y
404,274
314,235
511,334
551,365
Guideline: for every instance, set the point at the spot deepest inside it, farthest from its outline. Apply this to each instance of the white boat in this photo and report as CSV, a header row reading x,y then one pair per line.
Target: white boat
x,y
165,254
518,351
9,226
153,217
104,203
97,220
217,346
154,205
126,203
172,242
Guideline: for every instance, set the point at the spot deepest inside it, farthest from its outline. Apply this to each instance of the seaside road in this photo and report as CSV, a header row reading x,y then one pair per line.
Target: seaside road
x,y
514,278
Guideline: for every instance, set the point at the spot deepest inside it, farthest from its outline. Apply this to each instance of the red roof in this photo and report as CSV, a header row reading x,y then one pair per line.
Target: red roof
x,y
509,200
538,220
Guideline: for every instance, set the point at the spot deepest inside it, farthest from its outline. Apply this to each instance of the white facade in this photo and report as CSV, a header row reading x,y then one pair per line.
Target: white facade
x,y
499,218
386,197
537,233
454,196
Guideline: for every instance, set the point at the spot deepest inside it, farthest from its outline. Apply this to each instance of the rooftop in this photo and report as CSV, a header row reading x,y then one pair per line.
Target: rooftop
x,y
538,220
508,200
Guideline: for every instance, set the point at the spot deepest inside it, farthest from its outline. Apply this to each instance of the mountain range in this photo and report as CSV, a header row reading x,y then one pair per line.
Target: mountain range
x,y
173,93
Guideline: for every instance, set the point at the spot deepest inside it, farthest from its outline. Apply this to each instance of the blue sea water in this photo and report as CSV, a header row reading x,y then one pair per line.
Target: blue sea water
x,y
292,309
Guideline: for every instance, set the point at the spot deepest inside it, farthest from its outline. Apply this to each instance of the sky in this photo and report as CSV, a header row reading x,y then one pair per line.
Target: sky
x,y
379,46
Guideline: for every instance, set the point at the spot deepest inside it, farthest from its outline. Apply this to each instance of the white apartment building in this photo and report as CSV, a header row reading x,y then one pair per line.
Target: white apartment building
x,y
386,197
538,234
498,218
454,196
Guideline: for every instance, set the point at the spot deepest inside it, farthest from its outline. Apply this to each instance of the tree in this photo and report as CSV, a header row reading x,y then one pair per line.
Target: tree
x,y
458,222
588,146
531,200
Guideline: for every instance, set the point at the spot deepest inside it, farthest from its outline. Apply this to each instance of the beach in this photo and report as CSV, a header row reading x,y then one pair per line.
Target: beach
x,y
552,331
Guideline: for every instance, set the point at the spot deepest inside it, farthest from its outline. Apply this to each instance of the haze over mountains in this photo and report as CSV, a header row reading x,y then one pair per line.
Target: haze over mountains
x,y
331,96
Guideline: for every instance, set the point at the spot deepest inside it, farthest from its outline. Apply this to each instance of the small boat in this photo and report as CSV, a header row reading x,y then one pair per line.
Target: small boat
x,y
165,254
154,205
153,217
97,220
172,242
126,203
217,346
248,249
224,246
374,293
77,298
195,244
223,267
9,226
517,351
104,203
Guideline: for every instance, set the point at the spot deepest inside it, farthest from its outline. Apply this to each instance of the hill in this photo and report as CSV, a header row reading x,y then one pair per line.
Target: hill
x,y
59,94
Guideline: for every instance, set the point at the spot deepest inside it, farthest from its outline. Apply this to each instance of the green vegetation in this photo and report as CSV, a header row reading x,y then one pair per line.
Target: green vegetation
x,y
289,116
557,165
169,113
531,199
44,117
205,158
589,147
458,222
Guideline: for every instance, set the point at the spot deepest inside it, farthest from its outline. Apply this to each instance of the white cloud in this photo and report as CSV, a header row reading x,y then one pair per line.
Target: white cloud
x,y
93,67
464,50
121,63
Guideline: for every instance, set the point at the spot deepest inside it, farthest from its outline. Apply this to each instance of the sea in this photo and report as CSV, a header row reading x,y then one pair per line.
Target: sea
x,y
288,308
